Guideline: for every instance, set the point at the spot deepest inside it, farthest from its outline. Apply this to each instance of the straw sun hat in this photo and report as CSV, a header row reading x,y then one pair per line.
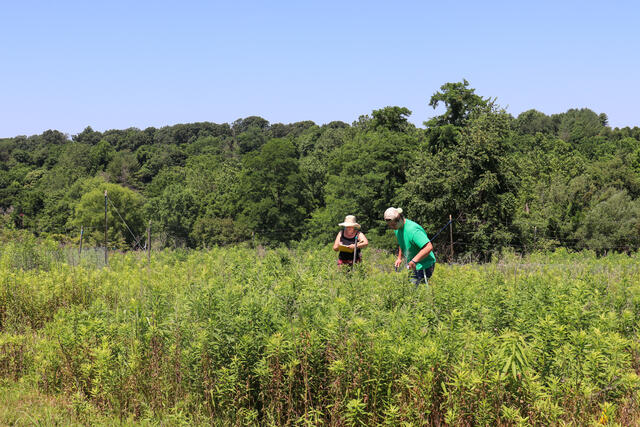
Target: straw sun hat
x,y
349,221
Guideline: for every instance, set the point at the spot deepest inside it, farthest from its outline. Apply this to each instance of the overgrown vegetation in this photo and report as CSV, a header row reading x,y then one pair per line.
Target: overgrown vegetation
x,y
236,334
242,336
528,182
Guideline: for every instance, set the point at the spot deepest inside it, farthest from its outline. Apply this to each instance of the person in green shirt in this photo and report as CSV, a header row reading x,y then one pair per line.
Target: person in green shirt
x,y
414,244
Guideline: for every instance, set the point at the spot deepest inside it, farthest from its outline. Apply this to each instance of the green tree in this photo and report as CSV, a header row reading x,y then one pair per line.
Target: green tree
x,y
100,155
153,158
476,182
391,118
173,214
611,223
274,203
163,179
316,145
460,101
250,140
363,178
532,122
580,127
216,184
124,214
123,169
243,125
88,136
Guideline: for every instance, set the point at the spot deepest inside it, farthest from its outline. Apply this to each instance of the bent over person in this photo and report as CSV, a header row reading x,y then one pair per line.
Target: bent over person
x,y
349,241
414,245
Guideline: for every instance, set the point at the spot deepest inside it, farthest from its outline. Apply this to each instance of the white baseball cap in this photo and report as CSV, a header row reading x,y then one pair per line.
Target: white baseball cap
x,y
392,213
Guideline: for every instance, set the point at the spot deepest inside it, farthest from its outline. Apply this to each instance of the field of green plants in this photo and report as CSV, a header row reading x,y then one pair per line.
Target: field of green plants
x,y
242,336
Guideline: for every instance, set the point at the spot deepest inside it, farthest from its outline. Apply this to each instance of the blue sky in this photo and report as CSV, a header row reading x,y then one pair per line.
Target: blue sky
x,y
112,65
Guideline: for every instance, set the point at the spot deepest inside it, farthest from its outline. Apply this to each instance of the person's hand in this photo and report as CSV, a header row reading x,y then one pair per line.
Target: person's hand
x,y
398,262
412,265
352,246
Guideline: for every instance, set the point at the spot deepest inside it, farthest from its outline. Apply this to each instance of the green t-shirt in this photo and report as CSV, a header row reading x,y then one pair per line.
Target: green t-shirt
x,y
411,238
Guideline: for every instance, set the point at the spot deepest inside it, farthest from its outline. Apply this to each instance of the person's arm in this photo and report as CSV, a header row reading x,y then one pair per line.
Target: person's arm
x,y
336,243
399,259
424,252
362,241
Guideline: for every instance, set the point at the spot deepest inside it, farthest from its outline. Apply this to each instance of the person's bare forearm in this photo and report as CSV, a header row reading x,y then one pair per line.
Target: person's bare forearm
x,y
424,252
336,243
399,259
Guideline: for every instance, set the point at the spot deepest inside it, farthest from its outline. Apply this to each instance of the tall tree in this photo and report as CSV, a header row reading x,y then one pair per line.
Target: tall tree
x,y
124,214
532,122
460,101
275,199
475,181
364,175
391,118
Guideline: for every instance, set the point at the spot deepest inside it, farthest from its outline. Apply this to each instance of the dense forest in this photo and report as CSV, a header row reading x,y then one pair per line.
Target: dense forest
x,y
528,182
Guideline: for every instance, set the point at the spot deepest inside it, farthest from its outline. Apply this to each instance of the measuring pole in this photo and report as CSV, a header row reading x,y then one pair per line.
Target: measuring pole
x,y
355,250
106,259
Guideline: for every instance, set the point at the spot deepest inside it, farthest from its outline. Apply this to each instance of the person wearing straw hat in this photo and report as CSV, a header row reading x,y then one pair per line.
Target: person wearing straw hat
x,y
414,245
349,242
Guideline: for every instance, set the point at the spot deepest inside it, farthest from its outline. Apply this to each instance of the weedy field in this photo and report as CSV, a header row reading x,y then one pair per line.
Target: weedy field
x,y
238,336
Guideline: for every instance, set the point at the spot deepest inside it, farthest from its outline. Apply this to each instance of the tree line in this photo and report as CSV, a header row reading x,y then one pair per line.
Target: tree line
x,y
534,181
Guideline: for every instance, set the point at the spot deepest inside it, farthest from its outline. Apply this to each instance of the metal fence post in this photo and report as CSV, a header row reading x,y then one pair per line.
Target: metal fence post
x,y
81,236
106,250
451,235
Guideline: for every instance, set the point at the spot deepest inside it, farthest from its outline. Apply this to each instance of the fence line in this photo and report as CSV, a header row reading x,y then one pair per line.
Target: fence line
x,y
540,243
34,256
461,238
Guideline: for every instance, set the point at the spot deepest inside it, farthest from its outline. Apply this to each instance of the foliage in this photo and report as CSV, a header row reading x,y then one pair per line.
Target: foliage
x,y
460,101
391,118
236,336
124,214
530,182
476,182
274,197
365,174
611,222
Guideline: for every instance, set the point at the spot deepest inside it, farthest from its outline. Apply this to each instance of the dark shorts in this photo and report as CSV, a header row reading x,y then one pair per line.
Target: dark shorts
x,y
348,261
421,276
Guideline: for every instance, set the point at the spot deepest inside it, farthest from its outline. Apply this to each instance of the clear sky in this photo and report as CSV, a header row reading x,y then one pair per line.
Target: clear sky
x,y
116,64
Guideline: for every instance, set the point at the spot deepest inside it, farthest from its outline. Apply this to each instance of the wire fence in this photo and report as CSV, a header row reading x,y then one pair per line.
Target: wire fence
x,y
462,249
27,256
462,241
32,255
452,245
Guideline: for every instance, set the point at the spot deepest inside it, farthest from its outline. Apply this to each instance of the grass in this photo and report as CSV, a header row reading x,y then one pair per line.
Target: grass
x,y
23,404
